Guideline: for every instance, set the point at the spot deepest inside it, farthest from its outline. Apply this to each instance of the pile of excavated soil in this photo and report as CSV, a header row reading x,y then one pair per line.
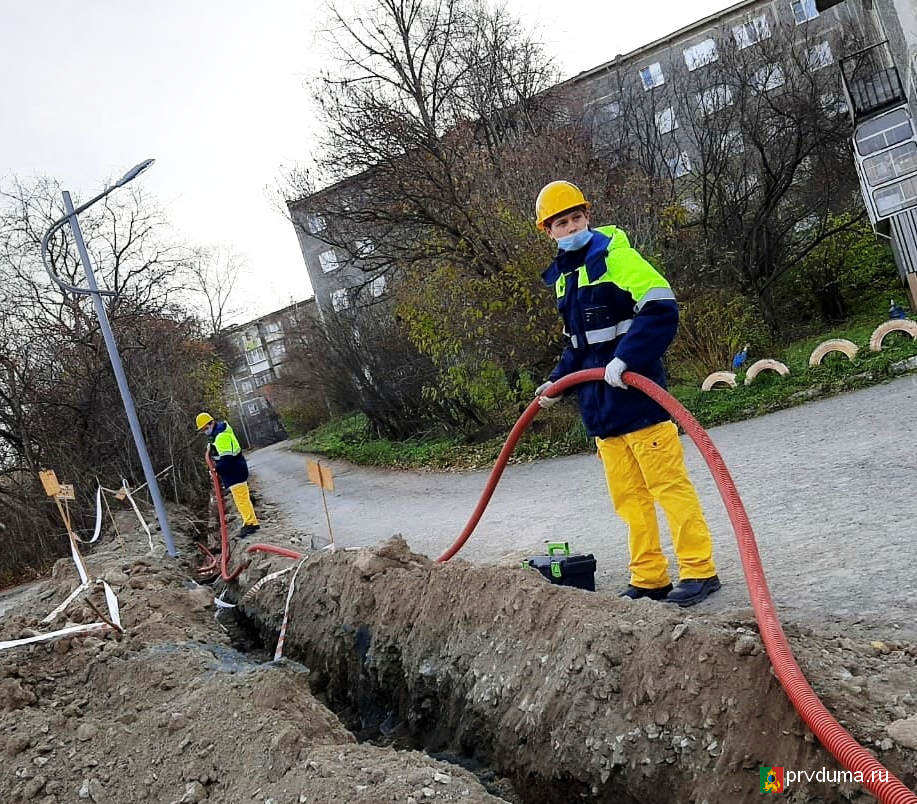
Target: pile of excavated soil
x,y
169,711
409,681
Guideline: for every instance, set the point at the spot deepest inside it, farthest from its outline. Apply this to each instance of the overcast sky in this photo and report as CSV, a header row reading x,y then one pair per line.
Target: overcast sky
x,y
213,90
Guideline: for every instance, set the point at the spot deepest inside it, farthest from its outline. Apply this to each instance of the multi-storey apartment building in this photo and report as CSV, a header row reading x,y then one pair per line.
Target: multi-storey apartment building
x,y
680,62
256,353
767,39
339,279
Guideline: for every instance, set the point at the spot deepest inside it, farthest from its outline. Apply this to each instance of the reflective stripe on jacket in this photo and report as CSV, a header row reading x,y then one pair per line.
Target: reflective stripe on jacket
x,y
613,304
231,465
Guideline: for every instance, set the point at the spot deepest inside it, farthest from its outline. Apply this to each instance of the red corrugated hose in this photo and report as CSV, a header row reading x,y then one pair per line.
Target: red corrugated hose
x,y
887,788
225,574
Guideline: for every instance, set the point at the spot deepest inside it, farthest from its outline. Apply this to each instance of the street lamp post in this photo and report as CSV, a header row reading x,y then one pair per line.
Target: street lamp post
x,y
105,326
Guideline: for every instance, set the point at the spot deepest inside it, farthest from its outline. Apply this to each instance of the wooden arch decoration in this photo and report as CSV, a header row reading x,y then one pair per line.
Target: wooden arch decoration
x,y
825,348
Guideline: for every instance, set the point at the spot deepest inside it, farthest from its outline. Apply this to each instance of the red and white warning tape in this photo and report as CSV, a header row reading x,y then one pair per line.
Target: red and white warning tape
x,y
278,653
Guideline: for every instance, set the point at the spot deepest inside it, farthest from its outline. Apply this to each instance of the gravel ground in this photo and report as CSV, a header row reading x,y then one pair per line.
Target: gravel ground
x,y
828,487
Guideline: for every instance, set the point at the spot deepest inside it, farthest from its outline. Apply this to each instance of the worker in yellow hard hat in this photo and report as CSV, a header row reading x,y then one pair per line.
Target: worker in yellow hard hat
x,y
620,313
231,467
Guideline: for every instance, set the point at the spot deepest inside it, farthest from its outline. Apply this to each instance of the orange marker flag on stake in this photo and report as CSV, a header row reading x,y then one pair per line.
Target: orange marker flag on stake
x,y
322,477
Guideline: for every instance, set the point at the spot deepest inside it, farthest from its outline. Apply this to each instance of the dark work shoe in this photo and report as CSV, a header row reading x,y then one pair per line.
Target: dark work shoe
x,y
637,592
693,590
248,530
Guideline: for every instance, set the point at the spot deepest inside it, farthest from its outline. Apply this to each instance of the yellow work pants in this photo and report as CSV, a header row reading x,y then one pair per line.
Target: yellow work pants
x,y
644,468
243,501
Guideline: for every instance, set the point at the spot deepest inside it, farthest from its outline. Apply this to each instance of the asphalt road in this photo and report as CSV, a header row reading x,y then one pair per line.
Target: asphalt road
x,y
828,487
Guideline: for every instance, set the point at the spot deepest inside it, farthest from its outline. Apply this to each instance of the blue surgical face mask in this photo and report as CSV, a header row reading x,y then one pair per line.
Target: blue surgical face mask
x,y
574,241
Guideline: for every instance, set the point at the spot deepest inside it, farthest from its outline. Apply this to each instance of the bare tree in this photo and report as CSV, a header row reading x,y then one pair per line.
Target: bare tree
x,y
214,272
423,98
59,402
361,361
751,144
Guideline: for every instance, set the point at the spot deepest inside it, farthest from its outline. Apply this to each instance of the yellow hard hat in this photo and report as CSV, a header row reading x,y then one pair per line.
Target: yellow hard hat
x,y
202,420
557,197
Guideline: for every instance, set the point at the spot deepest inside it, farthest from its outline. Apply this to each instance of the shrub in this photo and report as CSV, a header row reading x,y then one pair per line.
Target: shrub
x,y
715,324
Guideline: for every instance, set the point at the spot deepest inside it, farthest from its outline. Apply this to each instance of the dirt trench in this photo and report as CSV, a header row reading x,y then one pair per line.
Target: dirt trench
x,y
573,695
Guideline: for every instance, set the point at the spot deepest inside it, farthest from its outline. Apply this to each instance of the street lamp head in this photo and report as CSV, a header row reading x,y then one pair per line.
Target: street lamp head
x,y
134,172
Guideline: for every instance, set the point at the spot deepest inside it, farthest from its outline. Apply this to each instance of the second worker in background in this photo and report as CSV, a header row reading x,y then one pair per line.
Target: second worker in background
x,y
231,466
619,313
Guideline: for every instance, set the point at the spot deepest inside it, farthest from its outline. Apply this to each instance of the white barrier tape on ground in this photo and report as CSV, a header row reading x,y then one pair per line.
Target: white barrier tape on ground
x,y
73,629
70,598
130,499
278,653
98,527
111,600
114,613
80,565
114,610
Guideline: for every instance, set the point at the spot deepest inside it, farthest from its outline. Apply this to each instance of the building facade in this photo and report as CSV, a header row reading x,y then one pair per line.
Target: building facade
x,y
880,83
256,354
679,62
341,279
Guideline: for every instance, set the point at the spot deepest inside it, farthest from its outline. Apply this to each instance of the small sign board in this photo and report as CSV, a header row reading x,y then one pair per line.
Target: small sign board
x,y
320,475
49,481
66,492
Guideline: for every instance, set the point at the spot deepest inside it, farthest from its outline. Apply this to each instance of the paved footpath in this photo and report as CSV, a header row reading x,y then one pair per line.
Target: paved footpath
x,y
829,488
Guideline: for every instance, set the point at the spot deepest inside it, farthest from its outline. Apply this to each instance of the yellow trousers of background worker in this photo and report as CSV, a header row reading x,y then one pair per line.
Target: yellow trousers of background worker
x,y
243,501
643,468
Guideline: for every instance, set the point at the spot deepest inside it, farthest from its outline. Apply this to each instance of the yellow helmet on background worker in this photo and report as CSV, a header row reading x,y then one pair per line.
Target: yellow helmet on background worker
x,y
557,197
202,420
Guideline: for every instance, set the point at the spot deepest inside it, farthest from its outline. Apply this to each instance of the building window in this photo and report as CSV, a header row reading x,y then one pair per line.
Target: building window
x,y
247,386
732,144
832,104
652,76
252,408
819,56
770,76
340,299
316,223
253,356
263,379
883,132
604,111
278,349
679,165
363,248
896,198
328,260
377,286
803,10
715,98
665,121
891,164
751,32
273,327
700,54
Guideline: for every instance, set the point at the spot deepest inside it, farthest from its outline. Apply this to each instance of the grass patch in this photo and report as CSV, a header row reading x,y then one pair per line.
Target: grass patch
x,y
560,430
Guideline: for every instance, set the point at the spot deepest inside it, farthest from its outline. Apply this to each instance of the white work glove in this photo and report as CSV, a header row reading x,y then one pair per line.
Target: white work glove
x,y
544,402
613,372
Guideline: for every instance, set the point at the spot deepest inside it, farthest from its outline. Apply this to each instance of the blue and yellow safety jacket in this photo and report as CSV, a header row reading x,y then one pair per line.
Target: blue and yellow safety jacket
x,y
230,463
613,304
